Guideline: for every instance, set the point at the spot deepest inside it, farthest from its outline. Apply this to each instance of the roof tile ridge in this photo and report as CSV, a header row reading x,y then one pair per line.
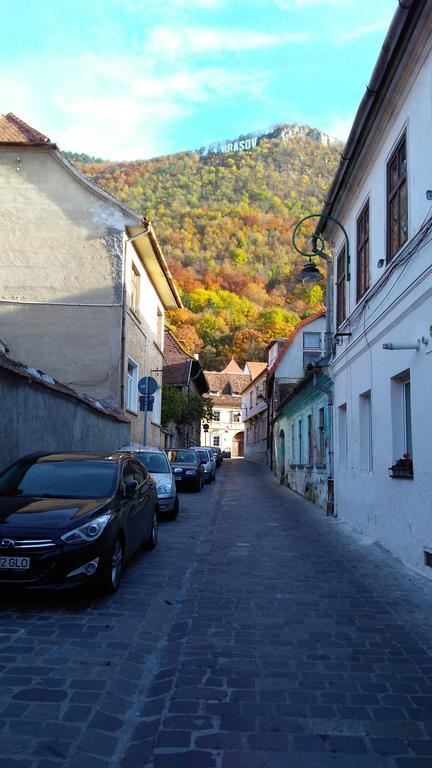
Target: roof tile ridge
x,y
27,129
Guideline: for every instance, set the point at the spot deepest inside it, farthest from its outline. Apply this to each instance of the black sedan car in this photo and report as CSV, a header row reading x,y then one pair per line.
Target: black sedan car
x,y
188,470
68,519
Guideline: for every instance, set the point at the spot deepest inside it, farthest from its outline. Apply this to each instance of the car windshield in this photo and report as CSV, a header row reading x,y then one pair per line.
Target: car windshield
x,y
60,479
183,456
203,456
154,462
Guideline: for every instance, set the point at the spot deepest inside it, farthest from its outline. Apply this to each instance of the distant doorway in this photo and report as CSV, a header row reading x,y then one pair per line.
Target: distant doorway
x,y
238,444
282,452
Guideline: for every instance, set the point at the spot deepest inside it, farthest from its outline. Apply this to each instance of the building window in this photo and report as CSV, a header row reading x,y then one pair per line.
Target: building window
x,y
300,442
135,289
340,288
311,343
250,399
236,417
401,416
216,415
309,440
132,385
311,340
216,441
292,444
363,252
365,430
321,437
342,437
397,200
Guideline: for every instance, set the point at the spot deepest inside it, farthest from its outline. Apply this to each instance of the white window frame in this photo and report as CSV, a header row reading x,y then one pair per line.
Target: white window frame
x,y
135,292
365,432
132,386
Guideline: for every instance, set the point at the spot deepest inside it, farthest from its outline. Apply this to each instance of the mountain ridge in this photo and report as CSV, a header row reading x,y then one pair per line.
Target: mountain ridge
x,y
224,220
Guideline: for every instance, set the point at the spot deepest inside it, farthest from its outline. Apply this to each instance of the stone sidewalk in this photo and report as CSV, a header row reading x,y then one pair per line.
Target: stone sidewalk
x,y
260,634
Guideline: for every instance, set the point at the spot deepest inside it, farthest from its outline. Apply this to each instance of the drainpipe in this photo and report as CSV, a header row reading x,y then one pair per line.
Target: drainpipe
x,y
330,479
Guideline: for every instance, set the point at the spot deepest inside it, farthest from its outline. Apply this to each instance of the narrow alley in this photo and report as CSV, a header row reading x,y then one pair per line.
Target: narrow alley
x,y
259,634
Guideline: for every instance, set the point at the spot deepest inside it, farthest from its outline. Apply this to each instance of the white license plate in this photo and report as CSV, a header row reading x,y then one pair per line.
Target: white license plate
x,y
15,563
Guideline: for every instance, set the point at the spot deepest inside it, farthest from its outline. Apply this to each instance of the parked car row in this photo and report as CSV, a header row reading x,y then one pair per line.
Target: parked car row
x,y
71,519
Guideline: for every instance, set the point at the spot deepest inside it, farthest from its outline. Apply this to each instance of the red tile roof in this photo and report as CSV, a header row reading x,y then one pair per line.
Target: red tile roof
x,y
179,367
255,368
177,362
289,341
15,131
227,383
232,367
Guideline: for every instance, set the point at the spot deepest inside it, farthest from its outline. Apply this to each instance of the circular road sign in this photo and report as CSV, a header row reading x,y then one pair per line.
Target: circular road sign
x,y
147,385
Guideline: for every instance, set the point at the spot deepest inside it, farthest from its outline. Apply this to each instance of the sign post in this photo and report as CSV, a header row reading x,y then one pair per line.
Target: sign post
x,y
147,386
206,429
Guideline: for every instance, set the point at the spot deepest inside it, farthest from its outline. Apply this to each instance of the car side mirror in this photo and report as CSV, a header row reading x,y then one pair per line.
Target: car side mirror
x,y
130,489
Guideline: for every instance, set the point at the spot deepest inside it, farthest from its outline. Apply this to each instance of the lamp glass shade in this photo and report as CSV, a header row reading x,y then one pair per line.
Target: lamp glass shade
x,y
309,274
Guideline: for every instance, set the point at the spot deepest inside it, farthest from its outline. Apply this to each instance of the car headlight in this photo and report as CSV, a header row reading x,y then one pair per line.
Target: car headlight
x,y
164,488
88,532
190,472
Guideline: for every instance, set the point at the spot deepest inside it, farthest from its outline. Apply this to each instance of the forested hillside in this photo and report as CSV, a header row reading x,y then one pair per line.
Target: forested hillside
x,y
224,221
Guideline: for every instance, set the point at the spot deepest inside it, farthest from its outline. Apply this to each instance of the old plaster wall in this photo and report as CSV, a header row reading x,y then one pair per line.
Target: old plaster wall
x,y
144,340
32,413
61,250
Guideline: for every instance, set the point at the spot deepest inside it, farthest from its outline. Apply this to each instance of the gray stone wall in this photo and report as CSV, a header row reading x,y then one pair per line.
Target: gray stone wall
x,y
36,418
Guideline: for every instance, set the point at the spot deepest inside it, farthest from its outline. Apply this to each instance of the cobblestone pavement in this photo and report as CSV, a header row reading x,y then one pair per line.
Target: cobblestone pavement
x,y
259,634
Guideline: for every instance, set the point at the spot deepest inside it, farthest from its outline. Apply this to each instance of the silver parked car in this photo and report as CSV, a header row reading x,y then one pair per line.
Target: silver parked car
x,y
156,462
208,461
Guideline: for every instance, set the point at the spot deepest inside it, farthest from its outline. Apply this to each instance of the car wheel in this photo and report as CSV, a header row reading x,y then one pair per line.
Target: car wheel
x,y
152,541
198,484
175,509
113,569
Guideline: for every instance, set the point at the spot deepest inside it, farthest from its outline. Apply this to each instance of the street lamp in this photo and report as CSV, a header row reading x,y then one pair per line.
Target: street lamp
x,y
310,273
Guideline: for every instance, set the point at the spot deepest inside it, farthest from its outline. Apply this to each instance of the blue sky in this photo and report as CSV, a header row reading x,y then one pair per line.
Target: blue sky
x,y
129,79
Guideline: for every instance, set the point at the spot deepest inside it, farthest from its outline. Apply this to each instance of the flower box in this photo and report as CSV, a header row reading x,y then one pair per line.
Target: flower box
x,y
401,472
403,468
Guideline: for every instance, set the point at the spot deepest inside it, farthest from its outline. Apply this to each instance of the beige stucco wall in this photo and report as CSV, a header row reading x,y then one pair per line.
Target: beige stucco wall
x,y
61,253
142,332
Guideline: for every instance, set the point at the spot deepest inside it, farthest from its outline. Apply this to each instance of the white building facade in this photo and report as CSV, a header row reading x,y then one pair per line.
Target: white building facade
x,y
254,416
226,430
382,365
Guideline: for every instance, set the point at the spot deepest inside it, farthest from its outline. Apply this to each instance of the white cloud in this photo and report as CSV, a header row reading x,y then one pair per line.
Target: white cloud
x,y
362,31
168,5
292,4
185,41
339,127
118,107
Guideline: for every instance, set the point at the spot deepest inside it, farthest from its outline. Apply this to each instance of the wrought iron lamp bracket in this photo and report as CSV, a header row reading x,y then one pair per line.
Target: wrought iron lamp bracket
x,y
318,241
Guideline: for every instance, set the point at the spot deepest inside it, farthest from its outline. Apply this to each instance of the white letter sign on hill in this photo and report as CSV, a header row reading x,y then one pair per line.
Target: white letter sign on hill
x,y
239,146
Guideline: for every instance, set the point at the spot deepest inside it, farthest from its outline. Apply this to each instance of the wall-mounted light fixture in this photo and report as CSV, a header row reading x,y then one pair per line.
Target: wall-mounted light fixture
x,y
311,275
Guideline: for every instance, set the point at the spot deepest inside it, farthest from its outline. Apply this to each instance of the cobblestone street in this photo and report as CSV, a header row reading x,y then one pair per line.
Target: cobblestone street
x,y
259,634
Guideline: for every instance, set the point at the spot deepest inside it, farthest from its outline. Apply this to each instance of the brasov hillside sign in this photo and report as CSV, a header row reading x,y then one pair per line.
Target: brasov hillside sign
x,y
284,132
240,145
